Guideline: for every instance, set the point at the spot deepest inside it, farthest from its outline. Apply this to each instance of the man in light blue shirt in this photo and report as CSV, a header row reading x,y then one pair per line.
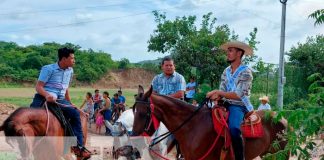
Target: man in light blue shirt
x,y
52,86
169,82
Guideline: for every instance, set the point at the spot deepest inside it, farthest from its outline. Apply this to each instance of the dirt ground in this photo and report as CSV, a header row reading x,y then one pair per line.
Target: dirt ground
x,y
129,78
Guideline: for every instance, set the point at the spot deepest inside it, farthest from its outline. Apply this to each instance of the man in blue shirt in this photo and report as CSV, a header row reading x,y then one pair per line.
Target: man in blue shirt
x,y
191,90
172,84
169,82
53,86
115,104
122,100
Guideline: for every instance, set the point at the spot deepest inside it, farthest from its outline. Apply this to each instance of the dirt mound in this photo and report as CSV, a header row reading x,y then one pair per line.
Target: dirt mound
x,y
129,78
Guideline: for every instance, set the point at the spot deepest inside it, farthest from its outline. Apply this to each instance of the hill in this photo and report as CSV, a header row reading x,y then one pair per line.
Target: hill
x,y
128,78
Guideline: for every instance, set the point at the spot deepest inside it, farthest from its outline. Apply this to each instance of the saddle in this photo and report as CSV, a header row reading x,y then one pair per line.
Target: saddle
x,y
251,126
57,112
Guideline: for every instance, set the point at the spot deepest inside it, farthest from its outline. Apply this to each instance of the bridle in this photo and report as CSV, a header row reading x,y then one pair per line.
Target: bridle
x,y
148,114
148,120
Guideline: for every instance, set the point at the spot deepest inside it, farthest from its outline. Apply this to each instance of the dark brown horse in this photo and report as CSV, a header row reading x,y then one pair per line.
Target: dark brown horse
x,y
32,125
197,136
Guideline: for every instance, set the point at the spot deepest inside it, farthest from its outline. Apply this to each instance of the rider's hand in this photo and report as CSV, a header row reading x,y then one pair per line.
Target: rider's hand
x,y
210,94
50,98
213,95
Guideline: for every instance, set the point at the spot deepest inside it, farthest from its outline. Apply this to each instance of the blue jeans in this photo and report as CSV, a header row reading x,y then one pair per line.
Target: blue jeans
x,y
235,119
107,116
236,115
71,115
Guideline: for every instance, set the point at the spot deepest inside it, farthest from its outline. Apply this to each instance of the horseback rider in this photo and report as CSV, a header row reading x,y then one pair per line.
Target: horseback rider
x,y
52,86
170,83
235,87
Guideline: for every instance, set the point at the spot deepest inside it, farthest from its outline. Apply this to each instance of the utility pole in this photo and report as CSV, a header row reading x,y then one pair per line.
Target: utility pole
x,y
282,78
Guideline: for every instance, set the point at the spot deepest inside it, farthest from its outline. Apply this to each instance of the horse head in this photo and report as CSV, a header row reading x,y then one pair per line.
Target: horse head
x,y
142,111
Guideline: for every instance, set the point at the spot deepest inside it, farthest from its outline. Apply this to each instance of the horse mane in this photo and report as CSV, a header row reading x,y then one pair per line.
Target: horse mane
x,y
10,124
177,102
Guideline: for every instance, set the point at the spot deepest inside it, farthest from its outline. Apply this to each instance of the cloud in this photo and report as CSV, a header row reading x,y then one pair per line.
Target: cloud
x,y
123,28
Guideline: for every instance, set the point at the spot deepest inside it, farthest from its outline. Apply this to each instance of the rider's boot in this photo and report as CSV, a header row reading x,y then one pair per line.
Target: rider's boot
x,y
81,152
238,148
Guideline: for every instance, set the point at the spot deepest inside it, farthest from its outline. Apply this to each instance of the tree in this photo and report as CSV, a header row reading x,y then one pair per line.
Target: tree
x,y
309,55
194,48
318,15
123,63
24,63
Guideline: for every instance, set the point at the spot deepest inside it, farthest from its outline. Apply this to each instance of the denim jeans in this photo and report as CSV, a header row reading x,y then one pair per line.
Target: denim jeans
x,y
236,115
71,115
235,119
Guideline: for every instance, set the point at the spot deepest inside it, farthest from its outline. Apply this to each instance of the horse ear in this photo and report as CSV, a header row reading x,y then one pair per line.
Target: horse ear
x,y
140,90
148,93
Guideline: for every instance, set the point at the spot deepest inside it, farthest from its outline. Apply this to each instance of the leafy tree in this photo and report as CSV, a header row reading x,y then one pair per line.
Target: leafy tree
x,y
318,15
316,89
193,48
24,63
123,63
309,55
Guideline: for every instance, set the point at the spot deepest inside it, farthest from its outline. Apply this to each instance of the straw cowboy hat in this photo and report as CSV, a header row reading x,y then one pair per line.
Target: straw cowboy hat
x,y
237,44
264,98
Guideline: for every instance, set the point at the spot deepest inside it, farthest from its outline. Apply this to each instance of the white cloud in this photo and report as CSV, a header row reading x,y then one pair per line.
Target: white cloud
x,y
127,36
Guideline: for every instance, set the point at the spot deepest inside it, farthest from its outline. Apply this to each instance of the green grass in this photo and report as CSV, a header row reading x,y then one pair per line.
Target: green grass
x,y
22,97
7,156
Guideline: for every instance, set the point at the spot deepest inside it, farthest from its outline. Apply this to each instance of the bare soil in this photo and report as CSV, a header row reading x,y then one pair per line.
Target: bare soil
x,y
129,78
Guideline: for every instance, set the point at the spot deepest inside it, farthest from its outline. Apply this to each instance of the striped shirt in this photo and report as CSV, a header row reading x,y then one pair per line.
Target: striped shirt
x,y
243,84
168,85
56,80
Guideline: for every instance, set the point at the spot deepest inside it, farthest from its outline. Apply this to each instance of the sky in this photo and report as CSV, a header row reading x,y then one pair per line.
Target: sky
x,y
122,28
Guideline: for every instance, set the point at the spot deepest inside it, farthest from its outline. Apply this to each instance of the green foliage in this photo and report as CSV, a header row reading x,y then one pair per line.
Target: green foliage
x,y
316,89
309,55
194,48
203,89
124,63
301,104
155,67
318,15
303,127
22,64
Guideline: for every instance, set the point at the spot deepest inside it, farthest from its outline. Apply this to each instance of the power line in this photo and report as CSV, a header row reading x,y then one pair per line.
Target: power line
x,y
69,9
77,23
254,14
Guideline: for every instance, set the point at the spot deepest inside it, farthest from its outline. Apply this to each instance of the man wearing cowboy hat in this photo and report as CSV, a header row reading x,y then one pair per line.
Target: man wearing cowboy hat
x,y
264,103
235,87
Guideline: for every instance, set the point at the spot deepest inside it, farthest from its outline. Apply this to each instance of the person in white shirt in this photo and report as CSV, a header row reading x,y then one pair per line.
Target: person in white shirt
x,y
264,103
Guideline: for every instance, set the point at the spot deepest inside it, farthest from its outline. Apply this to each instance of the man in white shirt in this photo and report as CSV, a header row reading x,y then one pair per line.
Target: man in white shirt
x,y
264,103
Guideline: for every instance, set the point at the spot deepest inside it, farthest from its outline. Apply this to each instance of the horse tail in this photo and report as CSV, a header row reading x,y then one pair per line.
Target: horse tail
x,y
1,128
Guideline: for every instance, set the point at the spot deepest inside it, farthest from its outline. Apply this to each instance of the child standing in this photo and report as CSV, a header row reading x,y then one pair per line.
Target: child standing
x,y
99,122
88,102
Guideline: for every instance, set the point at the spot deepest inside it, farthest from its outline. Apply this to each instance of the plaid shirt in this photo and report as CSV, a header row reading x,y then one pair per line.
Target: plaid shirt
x,y
168,85
243,84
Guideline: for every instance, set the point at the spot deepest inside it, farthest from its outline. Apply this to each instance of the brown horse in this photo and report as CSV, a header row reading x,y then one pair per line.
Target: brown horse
x,y
197,136
32,125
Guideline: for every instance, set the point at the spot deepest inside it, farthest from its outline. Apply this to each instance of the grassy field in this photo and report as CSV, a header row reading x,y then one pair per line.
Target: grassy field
x,y
23,96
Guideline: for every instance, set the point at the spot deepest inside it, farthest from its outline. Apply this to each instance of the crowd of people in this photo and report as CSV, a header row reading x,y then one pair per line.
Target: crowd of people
x,y
102,108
